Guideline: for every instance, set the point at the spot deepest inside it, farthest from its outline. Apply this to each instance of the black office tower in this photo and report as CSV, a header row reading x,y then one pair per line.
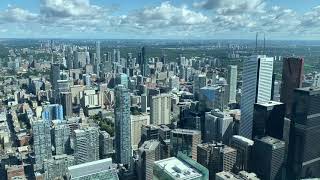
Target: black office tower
x,y
268,119
268,158
304,144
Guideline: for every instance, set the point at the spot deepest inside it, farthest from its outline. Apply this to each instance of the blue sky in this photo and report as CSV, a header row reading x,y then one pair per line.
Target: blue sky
x,y
150,19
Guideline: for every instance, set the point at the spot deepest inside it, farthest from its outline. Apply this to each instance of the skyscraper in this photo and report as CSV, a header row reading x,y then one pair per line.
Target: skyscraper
x,y
54,77
66,102
292,77
122,79
160,109
61,138
268,158
304,146
244,149
185,141
41,142
122,125
98,53
231,89
86,145
256,88
216,157
143,62
268,119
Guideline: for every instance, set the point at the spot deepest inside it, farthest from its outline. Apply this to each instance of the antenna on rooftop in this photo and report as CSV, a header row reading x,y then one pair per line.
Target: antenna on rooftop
x,y
257,34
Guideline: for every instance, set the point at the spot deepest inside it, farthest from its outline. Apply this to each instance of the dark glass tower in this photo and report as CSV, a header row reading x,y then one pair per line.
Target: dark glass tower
x,y
292,77
54,77
304,146
268,157
268,119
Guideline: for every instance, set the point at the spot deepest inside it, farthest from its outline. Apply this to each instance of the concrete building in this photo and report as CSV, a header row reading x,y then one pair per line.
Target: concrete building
x,y
86,145
231,89
218,126
41,142
122,126
57,166
101,169
160,109
244,149
61,138
149,152
137,121
185,141
216,157
106,145
180,167
256,88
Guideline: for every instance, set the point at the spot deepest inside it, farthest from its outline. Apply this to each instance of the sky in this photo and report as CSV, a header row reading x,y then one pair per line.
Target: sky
x,y
156,19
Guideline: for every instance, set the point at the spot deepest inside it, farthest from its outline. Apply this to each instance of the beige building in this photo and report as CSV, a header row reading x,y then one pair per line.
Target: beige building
x,y
160,109
137,121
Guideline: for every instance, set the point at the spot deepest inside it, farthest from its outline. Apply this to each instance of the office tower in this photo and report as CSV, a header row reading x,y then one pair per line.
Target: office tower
x,y
231,88
174,83
122,79
52,112
256,88
105,145
101,169
292,77
41,142
143,62
185,141
98,53
268,119
66,102
137,121
211,97
268,158
181,167
69,57
216,157
61,138
149,152
160,109
122,125
144,103
304,146
54,77
218,126
57,166
244,150
242,175
199,82
86,145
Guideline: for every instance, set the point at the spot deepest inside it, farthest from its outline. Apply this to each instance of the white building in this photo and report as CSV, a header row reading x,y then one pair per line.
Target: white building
x,y
256,88
160,109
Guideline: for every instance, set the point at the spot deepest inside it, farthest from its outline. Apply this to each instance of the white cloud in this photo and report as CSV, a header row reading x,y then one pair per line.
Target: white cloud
x,y
14,14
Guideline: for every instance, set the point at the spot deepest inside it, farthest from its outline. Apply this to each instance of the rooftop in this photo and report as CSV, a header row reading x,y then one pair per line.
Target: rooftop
x,y
178,169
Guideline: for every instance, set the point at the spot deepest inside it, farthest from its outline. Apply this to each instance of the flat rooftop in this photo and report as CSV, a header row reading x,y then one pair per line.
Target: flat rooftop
x,y
178,169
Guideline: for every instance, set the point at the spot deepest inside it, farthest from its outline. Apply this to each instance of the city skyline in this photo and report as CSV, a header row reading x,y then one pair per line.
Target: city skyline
x,y
191,19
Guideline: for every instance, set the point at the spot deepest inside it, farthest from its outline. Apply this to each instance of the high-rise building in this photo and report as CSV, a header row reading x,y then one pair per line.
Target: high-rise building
x,y
143,62
54,77
200,81
41,142
268,119
66,102
244,149
122,79
52,112
304,146
256,88
149,152
292,77
160,109
86,145
105,145
218,126
180,167
101,169
216,157
122,125
268,158
174,83
61,138
185,141
231,89
57,166
211,97
98,53
242,175
137,121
